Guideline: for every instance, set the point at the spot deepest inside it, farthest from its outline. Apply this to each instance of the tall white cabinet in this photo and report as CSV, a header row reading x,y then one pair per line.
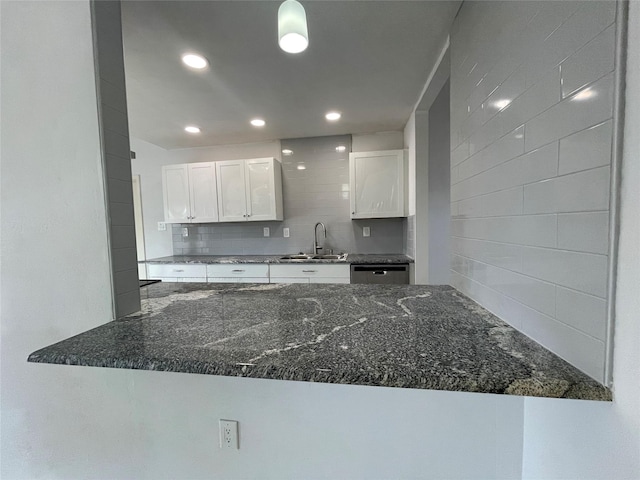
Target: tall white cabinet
x,y
249,190
378,182
189,192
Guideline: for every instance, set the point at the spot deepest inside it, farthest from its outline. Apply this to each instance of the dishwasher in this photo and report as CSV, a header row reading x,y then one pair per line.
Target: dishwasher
x,y
380,274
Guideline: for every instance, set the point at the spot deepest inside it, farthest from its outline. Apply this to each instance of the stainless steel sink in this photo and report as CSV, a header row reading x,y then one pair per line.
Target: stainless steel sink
x,y
342,256
310,258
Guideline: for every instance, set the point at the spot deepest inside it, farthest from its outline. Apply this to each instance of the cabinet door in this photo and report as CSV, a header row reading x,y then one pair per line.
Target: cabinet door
x,y
202,192
377,184
232,205
261,191
175,185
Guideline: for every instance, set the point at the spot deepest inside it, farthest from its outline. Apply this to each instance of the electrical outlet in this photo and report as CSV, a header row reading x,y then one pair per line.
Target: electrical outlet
x,y
229,434
162,227
185,232
285,232
366,231
266,232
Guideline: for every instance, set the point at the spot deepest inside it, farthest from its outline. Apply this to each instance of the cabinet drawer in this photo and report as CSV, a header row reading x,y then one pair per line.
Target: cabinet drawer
x,y
310,271
177,270
238,270
237,279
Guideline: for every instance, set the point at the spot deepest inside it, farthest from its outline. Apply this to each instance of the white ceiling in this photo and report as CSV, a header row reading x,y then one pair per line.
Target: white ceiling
x,y
367,59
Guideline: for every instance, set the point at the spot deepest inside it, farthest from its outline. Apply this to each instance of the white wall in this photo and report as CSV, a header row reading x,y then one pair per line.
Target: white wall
x,y
530,181
589,440
371,142
79,422
148,162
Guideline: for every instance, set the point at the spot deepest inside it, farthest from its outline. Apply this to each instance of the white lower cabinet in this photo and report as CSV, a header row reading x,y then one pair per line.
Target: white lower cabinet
x,y
309,273
177,272
250,273
238,273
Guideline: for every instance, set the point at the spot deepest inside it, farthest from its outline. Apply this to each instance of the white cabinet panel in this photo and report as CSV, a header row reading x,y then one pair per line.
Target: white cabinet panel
x,y
177,272
263,179
313,273
238,279
249,190
377,184
175,185
202,192
231,191
189,192
238,270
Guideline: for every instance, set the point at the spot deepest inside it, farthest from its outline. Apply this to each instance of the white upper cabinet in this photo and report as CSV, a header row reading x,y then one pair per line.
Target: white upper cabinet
x,y
189,192
249,190
377,181
232,200
175,188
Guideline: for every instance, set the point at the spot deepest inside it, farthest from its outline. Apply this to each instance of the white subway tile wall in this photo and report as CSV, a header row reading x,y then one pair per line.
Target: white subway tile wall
x,y
315,188
532,87
117,161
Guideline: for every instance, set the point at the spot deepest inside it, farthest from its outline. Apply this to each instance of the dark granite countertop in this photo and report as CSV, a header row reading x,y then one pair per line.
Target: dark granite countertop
x,y
352,258
385,335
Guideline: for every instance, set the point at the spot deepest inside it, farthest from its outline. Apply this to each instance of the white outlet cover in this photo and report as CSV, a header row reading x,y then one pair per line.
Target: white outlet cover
x,y
266,232
366,231
229,434
162,226
285,232
185,232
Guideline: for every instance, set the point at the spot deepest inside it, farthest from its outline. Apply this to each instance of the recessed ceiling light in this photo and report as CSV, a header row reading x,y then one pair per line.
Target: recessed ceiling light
x,y
287,152
301,167
340,148
257,122
194,61
333,116
192,129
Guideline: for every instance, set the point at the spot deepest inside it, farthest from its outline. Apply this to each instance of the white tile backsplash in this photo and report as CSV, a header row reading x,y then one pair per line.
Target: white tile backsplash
x,y
319,193
587,149
584,272
584,232
591,62
531,109
581,311
587,107
577,192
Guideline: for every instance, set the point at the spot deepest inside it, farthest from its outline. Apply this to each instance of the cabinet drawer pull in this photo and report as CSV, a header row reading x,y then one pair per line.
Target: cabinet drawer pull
x,y
237,271
309,271
177,270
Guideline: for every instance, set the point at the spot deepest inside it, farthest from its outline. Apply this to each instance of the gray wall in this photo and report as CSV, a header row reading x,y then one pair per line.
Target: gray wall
x,y
438,182
114,129
317,193
530,182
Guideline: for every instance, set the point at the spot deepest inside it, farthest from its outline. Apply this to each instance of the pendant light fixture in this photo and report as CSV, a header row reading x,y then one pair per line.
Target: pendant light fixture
x,y
293,36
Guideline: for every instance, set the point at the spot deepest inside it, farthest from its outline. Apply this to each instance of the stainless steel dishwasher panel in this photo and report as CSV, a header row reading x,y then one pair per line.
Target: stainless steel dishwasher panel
x,y
380,274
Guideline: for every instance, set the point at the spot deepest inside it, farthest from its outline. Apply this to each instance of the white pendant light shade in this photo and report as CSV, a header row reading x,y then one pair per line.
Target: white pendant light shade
x,y
293,36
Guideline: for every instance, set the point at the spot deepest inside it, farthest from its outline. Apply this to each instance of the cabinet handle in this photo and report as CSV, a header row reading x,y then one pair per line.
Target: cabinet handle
x,y
353,213
178,270
237,271
309,271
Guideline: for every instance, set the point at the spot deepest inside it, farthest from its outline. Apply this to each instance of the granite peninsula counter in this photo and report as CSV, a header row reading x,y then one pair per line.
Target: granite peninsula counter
x,y
352,258
408,336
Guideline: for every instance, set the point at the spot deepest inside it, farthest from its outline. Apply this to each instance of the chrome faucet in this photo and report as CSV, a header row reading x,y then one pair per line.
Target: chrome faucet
x,y
316,247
